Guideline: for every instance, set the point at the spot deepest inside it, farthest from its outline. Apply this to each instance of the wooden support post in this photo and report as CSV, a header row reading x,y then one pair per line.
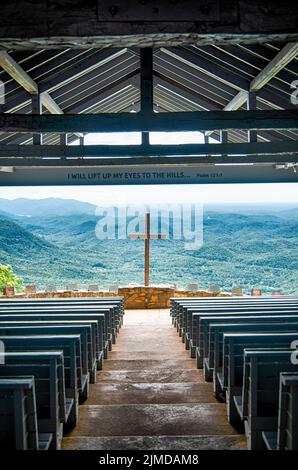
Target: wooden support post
x,y
36,109
146,59
82,142
145,138
63,139
224,140
224,137
252,106
207,140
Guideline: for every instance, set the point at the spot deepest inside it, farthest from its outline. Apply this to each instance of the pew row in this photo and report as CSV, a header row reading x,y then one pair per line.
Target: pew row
x,y
59,346
246,350
258,405
18,423
285,434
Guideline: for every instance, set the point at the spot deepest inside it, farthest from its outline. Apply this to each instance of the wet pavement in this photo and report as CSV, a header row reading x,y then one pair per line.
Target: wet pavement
x,y
151,396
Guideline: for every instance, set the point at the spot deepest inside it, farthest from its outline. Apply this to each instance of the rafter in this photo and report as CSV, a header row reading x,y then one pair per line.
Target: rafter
x,y
89,102
237,101
195,62
17,73
281,60
50,104
163,122
22,78
101,59
183,91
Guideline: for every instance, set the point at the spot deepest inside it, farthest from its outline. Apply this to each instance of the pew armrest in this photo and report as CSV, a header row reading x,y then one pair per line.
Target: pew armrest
x,y
68,407
239,405
44,440
270,439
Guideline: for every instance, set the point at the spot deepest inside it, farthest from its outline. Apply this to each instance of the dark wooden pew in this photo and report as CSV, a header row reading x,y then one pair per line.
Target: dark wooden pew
x,y
186,312
176,301
205,348
259,403
52,409
177,305
80,332
18,418
117,302
92,340
185,316
219,333
196,333
116,299
189,312
113,320
102,346
83,311
285,435
229,378
84,331
220,302
71,347
80,301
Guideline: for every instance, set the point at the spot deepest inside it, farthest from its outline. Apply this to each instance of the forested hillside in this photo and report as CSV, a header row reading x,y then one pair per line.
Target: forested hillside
x,y
249,248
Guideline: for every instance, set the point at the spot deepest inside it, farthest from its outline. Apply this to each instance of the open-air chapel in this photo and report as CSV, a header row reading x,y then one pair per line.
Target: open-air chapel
x,y
149,355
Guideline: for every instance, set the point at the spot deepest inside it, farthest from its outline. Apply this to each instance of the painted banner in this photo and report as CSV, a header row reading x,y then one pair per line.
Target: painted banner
x,y
129,175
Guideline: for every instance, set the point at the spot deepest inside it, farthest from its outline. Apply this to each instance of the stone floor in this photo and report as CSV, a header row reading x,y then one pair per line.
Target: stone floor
x,y
151,396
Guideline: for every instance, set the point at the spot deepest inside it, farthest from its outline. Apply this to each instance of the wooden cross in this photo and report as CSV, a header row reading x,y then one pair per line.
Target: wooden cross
x,y
147,235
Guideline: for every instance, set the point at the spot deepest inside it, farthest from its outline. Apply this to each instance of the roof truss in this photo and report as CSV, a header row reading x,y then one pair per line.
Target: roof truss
x,y
146,119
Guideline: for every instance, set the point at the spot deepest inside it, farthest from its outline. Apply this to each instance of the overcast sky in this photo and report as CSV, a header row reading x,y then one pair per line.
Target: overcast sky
x,y
220,193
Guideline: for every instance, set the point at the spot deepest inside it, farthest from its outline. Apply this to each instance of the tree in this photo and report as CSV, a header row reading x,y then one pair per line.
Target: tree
x,y
9,279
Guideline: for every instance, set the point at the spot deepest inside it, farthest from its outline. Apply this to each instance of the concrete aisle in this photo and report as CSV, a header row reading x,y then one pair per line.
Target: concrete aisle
x,y
151,396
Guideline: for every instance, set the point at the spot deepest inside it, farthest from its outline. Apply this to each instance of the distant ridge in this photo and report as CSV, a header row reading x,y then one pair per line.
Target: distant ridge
x,y
5,215
26,207
45,207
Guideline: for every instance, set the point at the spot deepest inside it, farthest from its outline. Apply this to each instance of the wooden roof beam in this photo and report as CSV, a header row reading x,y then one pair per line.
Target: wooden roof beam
x,y
149,122
281,60
22,78
17,73
156,150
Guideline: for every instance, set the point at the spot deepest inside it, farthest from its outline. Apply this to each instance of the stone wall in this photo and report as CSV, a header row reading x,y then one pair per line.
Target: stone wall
x,y
61,295
201,293
146,297
134,297
155,297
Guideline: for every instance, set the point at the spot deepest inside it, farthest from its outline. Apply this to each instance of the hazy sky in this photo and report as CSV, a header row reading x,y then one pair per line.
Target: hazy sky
x,y
220,193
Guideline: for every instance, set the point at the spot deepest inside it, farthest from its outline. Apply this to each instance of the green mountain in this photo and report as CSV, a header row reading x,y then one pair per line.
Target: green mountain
x,y
38,260
257,247
44,207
